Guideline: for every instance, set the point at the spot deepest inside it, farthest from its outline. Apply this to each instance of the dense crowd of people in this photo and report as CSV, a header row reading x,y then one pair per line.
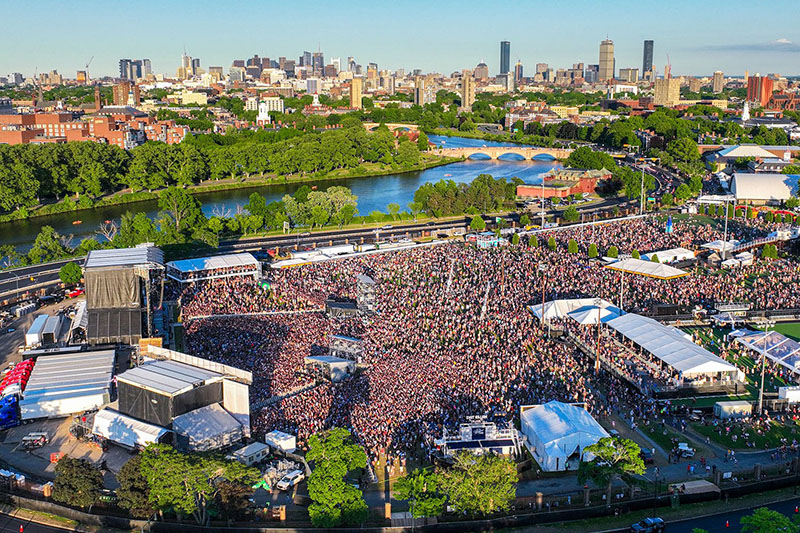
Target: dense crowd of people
x,y
453,335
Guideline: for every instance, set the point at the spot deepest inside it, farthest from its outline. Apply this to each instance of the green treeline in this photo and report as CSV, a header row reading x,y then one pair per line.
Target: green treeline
x,y
31,174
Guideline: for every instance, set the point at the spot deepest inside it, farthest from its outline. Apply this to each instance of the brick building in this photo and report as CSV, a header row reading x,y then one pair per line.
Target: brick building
x,y
564,182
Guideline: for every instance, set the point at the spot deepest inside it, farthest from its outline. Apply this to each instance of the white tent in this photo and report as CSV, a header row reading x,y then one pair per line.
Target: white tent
x,y
647,268
778,347
126,431
556,433
671,346
592,314
207,428
719,245
669,256
562,308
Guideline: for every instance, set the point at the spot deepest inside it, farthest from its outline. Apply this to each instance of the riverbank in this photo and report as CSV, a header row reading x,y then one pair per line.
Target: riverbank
x,y
525,140
125,197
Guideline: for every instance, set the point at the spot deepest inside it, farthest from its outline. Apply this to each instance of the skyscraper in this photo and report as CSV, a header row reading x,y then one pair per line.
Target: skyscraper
x,y
518,71
647,58
467,89
125,69
318,63
419,91
481,71
759,89
606,60
505,55
355,93
718,83
667,92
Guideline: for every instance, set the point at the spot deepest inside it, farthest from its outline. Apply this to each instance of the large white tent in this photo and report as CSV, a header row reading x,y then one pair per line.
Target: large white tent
x,y
672,346
647,268
556,434
669,256
125,430
778,347
592,314
562,308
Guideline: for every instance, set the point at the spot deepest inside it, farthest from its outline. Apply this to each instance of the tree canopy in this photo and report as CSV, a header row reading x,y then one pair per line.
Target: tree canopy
x,y
480,485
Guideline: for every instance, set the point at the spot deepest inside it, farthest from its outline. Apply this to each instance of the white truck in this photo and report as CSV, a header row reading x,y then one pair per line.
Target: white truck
x,y
291,479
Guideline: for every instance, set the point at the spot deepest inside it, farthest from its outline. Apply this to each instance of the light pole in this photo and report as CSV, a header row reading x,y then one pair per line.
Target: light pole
x,y
768,324
597,348
543,270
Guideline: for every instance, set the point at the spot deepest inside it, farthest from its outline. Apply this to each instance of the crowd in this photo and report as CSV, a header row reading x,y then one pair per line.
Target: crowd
x,y
453,336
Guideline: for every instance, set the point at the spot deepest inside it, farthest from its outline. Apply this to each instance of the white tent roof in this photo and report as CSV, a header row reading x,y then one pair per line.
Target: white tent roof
x,y
560,428
205,423
125,430
746,150
210,263
777,346
763,186
562,308
591,314
670,345
647,268
668,256
718,245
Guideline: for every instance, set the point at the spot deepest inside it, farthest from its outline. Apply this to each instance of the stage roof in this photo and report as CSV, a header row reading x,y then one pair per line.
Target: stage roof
x,y
167,377
125,257
647,268
205,423
563,308
670,345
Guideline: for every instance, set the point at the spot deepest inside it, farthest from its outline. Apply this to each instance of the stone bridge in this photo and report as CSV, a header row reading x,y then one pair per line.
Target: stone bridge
x,y
495,152
370,126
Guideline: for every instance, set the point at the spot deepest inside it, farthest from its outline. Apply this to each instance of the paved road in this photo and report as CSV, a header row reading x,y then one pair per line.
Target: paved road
x,y
718,522
12,525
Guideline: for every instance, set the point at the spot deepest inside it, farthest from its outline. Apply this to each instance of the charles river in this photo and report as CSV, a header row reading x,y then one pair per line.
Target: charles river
x,y
373,193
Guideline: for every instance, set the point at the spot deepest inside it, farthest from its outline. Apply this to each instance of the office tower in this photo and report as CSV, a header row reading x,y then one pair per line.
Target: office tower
x,y
667,92
630,75
505,54
318,63
305,59
356,87
81,77
312,86
541,68
337,63
195,65
125,69
351,64
518,72
481,71
759,89
592,74
647,58
467,89
507,81
126,93
238,63
419,91
147,68
606,60
718,82
695,84
15,78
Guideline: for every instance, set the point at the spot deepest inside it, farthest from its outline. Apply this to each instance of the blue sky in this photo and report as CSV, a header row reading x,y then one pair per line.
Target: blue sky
x,y
441,35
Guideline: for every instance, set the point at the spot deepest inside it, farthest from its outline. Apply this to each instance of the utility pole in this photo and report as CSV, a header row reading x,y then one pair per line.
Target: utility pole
x,y
768,324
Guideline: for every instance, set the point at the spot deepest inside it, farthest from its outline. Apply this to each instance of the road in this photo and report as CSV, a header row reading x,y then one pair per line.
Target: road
x,y
10,524
718,522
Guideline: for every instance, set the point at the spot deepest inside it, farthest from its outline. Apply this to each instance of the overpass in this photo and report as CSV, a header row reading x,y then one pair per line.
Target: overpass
x,y
495,152
370,126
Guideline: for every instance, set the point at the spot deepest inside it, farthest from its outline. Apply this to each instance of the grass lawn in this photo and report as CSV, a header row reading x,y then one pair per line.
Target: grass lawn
x,y
663,436
790,329
771,438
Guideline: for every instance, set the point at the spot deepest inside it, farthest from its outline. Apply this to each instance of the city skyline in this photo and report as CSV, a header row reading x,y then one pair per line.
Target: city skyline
x,y
695,46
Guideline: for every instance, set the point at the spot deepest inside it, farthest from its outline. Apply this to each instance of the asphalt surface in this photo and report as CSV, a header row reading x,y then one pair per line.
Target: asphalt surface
x,y
11,524
728,521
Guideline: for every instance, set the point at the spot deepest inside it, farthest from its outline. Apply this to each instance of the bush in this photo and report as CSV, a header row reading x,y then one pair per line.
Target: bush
x,y
572,247
593,251
613,252
70,274
515,239
654,259
551,243
571,214
477,223
636,255
535,241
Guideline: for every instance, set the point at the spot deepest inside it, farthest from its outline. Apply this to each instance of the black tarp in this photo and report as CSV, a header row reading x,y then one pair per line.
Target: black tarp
x,y
112,288
111,326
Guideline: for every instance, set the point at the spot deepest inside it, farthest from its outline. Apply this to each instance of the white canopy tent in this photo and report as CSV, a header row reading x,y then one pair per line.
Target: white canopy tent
x,y
672,347
647,268
556,433
126,431
563,308
778,347
670,256
720,245
593,314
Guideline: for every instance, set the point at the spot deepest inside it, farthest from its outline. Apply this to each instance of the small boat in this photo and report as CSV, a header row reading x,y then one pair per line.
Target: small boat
x,y
313,187
106,222
447,175
75,223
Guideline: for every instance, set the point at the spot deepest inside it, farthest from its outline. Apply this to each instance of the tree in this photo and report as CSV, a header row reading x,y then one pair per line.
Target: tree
x,y
233,498
593,251
183,211
48,246
422,142
667,199
535,241
684,149
551,243
614,458
480,485
515,239
133,493
187,482
571,214
770,217
572,246
654,259
751,213
420,489
333,455
612,252
525,220
70,273
477,223
764,520
78,482
636,255
792,202
393,209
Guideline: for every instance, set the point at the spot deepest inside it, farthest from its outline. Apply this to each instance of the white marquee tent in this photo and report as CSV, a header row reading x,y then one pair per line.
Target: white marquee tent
x,y
672,347
777,346
556,434
563,308
647,268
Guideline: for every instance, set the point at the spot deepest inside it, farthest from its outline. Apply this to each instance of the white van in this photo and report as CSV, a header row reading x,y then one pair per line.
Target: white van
x,y
291,479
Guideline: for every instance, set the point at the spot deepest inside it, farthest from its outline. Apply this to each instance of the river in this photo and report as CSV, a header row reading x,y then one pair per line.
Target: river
x,y
374,193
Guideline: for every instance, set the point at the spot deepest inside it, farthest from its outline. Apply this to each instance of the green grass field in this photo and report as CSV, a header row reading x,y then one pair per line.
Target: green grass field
x,y
770,439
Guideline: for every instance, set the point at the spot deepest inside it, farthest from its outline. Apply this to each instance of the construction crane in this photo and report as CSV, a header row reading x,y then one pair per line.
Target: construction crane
x,y
86,69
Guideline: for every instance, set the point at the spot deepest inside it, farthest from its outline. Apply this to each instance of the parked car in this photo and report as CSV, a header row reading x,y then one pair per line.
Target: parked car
x,y
649,525
684,450
647,456
291,479
387,226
